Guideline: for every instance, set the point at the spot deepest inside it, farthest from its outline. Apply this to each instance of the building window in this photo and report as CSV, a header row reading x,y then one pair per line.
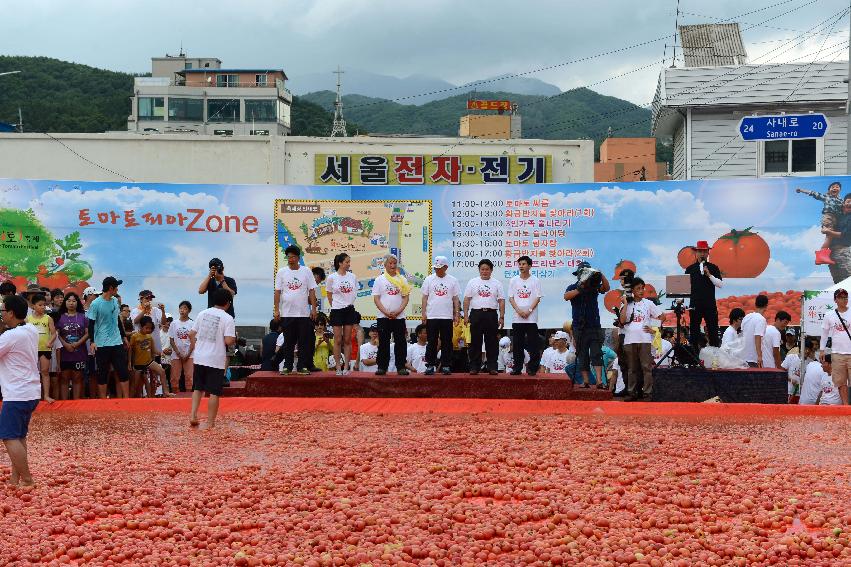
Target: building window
x,y
223,110
191,109
188,65
260,80
791,157
260,110
151,108
227,80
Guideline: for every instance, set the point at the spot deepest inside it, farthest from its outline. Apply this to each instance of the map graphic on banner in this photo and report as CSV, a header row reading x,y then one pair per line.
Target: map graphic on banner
x,y
763,234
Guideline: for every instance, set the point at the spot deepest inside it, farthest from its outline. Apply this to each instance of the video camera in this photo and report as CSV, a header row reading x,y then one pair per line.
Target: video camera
x,y
589,278
627,278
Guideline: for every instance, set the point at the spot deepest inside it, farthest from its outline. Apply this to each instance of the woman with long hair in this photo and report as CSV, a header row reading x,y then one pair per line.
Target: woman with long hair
x,y
72,328
341,288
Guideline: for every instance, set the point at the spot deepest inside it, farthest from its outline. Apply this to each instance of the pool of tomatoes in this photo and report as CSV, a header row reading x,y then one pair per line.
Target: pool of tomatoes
x,y
329,489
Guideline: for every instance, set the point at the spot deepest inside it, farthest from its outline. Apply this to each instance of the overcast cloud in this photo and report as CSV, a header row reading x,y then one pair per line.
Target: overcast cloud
x,y
455,40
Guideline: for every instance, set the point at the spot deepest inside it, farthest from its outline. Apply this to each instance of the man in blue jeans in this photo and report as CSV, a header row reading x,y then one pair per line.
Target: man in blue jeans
x,y
587,331
20,383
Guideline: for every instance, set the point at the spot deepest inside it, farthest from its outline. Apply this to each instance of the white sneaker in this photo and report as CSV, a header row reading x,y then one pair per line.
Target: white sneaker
x,y
339,372
346,372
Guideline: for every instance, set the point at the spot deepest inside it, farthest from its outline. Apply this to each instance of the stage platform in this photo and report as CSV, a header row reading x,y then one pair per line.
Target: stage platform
x,y
465,386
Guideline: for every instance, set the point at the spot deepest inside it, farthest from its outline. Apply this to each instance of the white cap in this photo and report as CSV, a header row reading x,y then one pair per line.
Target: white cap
x,y
504,342
560,335
440,262
89,291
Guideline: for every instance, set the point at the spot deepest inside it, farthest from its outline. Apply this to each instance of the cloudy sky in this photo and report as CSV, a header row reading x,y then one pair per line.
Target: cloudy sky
x,y
452,40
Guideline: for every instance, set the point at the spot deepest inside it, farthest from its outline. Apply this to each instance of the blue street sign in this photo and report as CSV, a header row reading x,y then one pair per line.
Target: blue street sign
x,y
783,127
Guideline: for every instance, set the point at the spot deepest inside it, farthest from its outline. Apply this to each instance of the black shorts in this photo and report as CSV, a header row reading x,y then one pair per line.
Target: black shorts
x,y
207,379
142,367
46,354
344,316
75,366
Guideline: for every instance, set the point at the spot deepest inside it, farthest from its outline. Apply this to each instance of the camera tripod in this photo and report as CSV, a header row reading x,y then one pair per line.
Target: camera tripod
x,y
679,354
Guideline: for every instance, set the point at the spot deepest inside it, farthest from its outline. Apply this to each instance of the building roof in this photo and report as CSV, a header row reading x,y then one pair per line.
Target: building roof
x,y
210,70
745,86
706,45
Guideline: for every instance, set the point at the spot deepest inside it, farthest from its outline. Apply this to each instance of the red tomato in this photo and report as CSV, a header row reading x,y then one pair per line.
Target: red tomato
x,y
686,257
612,299
740,254
57,280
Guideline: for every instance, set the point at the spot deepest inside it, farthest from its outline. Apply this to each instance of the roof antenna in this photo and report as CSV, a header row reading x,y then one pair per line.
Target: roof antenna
x,y
182,54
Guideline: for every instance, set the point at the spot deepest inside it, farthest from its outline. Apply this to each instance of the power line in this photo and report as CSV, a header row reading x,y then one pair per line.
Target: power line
x,y
84,158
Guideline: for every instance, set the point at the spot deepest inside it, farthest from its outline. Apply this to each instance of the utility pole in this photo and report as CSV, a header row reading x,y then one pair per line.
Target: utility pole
x,y
20,121
339,125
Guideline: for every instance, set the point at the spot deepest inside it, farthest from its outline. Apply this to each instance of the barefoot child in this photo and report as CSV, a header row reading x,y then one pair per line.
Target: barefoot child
x,y
46,335
831,212
142,356
213,332
20,384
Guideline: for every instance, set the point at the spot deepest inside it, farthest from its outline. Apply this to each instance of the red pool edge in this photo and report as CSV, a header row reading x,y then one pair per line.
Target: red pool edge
x,y
452,406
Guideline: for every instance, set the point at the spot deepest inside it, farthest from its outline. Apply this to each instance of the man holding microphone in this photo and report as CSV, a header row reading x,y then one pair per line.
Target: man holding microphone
x,y
705,277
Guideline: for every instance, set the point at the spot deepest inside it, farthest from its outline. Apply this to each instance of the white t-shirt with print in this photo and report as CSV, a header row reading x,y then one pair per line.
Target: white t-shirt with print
x,y
506,360
19,377
770,340
416,357
792,365
368,351
211,327
658,354
812,383
545,356
295,286
524,293
729,337
484,294
558,362
440,292
753,325
829,392
156,316
832,328
179,333
639,315
343,289
389,295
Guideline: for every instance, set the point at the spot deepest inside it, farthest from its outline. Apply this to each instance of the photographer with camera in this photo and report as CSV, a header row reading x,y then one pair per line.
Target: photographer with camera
x,y
216,279
705,277
587,330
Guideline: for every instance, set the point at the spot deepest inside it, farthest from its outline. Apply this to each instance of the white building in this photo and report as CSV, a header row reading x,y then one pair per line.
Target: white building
x,y
701,107
195,95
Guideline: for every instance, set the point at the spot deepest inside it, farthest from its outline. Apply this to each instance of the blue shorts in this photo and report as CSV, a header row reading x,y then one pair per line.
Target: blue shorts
x,y
15,419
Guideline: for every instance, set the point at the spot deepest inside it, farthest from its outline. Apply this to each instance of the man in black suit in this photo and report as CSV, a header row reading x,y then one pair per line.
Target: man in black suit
x,y
705,277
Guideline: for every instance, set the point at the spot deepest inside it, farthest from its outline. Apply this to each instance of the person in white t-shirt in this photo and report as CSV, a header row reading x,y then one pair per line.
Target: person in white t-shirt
x,y
549,350
156,312
792,364
524,295
484,307
214,331
753,330
341,287
391,292
368,351
772,340
506,356
665,347
416,356
560,357
829,393
295,305
441,310
637,319
733,333
834,327
181,358
20,383
816,374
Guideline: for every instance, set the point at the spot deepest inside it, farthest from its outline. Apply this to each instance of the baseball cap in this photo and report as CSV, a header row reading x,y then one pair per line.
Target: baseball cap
x,y
504,342
373,327
560,335
146,293
90,291
216,262
440,262
791,331
111,281
168,317
580,265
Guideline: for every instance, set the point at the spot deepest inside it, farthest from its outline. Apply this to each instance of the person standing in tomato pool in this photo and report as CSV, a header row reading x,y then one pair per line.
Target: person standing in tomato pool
x,y
483,298
705,277
20,384
836,327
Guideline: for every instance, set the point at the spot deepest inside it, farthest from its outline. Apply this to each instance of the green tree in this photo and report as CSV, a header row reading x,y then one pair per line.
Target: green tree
x,y
368,227
304,228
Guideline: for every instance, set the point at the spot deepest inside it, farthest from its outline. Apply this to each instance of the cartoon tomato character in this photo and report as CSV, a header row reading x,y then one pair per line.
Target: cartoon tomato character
x,y
740,254
686,257
624,265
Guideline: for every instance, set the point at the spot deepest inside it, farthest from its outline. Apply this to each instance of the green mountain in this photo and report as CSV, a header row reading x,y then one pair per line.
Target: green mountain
x,y
582,114
57,96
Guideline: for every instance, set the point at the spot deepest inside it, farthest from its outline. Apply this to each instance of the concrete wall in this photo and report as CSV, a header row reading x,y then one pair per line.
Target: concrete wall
x,y
177,158
485,126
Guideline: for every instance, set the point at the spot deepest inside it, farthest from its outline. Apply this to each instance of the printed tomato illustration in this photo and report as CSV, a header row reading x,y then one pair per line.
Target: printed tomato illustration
x,y
650,291
740,254
612,299
624,265
686,257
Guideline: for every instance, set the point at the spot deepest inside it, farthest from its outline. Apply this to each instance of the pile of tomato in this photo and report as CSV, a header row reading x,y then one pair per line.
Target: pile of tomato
x,y
789,301
329,489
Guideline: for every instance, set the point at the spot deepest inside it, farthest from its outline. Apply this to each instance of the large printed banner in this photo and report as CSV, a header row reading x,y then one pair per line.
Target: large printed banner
x,y
763,233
